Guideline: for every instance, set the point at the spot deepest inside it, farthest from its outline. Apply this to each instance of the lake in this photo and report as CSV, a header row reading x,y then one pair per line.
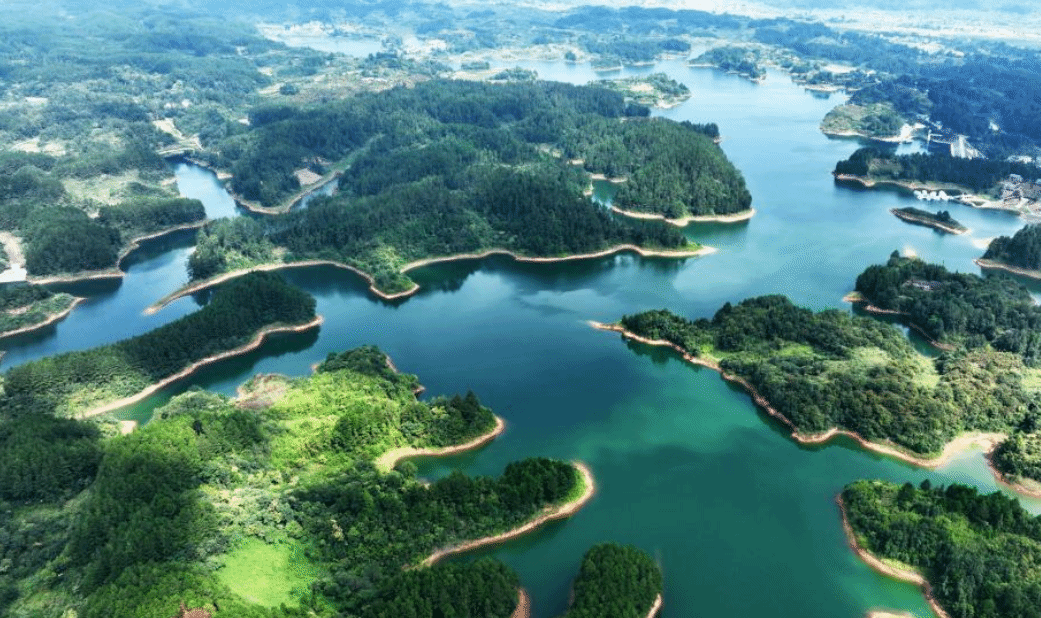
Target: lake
x,y
741,519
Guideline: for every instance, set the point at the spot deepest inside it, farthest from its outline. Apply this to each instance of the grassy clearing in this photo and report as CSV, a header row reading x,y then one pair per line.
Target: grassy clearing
x,y
268,574
1032,379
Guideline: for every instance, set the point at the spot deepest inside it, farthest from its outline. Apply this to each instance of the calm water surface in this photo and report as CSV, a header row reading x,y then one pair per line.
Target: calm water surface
x,y
741,519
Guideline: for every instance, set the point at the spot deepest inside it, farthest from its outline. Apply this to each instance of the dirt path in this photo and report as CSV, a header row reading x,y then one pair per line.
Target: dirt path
x,y
15,258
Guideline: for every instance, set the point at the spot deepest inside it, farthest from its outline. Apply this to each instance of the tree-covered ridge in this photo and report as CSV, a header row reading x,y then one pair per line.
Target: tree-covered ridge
x,y
63,233
615,581
975,175
1022,250
76,381
980,553
482,589
286,138
174,500
829,369
453,167
672,169
957,308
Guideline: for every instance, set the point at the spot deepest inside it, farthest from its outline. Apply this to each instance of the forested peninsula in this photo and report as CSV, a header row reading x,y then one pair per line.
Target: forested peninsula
x,y
65,235
1020,253
462,168
616,581
952,540
976,182
25,308
284,474
955,309
830,373
88,381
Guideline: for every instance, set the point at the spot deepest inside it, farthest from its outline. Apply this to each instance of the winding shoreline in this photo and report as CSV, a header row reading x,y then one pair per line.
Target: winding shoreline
x,y
1016,270
388,460
523,609
253,344
736,217
202,285
865,303
656,607
876,564
116,272
562,511
50,319
958,444
965,196
1010,483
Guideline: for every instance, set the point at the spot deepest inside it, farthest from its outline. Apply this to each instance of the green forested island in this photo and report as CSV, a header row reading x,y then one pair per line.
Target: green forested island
x,y
741,60
76,382
615,581
656,89
820,371
978,553
25,306
877,121
1021,251
939,220
178,510
469,174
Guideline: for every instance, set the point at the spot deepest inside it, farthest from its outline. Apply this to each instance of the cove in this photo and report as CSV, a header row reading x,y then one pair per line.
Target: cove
x,y
742,519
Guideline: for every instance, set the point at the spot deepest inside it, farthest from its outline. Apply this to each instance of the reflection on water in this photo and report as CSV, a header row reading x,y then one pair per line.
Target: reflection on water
x,y
739,516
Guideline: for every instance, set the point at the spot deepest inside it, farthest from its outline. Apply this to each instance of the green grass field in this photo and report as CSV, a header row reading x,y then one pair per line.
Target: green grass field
x,y
268,574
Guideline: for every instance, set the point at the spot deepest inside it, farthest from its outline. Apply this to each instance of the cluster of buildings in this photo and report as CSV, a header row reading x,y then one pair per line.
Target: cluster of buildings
x,y
1016,189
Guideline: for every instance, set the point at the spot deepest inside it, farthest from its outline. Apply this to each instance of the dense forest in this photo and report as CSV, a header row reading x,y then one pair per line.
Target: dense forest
x,y
1022,250
830,369
24,305
468,174
957,308
740,60
615,581
976,175
672,169
289,463
978,552
77,381
58,229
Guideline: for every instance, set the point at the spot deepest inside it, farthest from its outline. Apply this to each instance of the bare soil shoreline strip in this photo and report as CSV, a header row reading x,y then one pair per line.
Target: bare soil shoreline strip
x,y
255,343
523,609
388,460
202,285
991,264
50,319
736,217
562,511
959,444
656,607
911,577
